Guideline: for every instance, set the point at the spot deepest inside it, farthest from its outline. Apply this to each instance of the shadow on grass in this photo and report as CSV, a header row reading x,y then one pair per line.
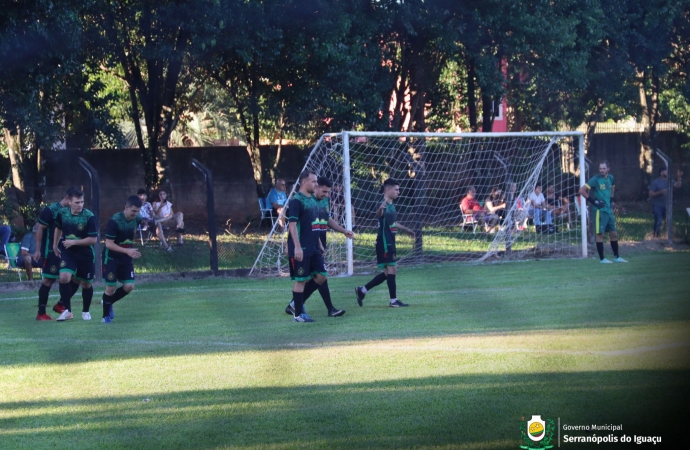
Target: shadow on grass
x,y
482,411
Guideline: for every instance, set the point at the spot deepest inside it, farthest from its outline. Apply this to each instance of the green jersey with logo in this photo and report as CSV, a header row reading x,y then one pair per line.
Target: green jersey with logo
x,y
47,218
385,238
324,206
601,188
121,231
304,211
75,227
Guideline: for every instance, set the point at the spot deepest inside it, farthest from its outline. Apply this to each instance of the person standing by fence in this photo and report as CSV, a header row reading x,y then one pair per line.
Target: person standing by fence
x,y
657,194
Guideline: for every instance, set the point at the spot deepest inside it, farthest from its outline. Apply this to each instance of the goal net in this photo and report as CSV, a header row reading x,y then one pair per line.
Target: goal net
x,y
503,217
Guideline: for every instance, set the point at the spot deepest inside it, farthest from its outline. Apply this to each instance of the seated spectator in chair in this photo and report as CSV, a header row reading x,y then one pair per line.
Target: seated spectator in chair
x,y
537,207
470,205
558,206
276,199
146,214
163,214
495,204
25,258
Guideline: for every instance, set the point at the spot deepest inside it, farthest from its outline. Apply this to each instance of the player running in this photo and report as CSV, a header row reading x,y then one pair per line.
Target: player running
x,y
78,227
385,244
51,262
599,192
325,221
118,255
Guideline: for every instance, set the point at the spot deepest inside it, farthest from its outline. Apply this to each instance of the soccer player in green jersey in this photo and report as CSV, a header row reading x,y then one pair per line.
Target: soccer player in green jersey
x,y
386,257
599,192
118,255
325,221
49,260
75,235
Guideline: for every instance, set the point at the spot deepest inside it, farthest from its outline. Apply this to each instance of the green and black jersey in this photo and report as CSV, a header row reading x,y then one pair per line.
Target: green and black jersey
x,y
47,218
385,239
121,231
304,211
75,227
601,188
324,206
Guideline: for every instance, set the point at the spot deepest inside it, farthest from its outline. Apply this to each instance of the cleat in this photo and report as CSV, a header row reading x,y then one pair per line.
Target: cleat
x,y
397,304
106,319
66,315
290,309
58,308
619,260
336,312
605,261
86,316
43,317
360,295
304,317
111,314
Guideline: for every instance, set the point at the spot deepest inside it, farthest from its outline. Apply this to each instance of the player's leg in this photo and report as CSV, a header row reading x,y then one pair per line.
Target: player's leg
x,y
391,271
381,262
320,280
613,237
659,214
300,274
43,293
599,227
85,275
68,270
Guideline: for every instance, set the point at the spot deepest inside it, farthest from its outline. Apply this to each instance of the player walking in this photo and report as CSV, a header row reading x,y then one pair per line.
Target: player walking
x,y
78,227
118,254
385,245
599,192
325,221
51,262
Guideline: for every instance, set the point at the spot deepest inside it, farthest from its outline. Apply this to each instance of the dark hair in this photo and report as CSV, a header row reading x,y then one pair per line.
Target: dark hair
x,y
537,185
605,162
305,174
471,189
661,169
324,181
389,182
133,200
74,192
142,191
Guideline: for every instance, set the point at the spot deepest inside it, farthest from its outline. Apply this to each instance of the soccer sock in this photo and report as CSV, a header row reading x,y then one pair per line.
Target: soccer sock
x,y
298,298
326,295
600,249
66,296
107,302
378,279
87,296
75,288
391,286
309,289
43,292
614,247
119,294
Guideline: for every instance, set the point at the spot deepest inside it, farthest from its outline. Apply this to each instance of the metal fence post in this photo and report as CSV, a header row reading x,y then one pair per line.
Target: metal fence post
x,y
96,210
669,196
211,206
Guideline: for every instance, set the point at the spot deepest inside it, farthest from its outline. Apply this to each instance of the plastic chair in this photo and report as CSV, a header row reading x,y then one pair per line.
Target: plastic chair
x,y
266,212
11,252
468,220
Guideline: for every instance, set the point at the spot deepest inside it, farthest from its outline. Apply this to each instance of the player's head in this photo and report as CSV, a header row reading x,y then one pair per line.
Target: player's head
x,y
323,187
132,207
142,194
69,192
76,200
537,188
471,192
307,182
390,188
604,168
280,184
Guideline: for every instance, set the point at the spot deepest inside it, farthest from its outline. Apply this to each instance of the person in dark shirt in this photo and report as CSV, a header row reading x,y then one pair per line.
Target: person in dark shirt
x,y
75,235
50,261
118,255
386,256
657,194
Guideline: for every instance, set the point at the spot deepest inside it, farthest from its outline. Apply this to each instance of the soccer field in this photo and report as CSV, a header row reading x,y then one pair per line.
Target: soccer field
x,y
217,363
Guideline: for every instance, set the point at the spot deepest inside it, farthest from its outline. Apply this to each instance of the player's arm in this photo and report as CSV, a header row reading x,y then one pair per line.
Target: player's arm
x,y
91,240
382,209
584,191
294,235
56,241
38,236
334,225
112,246
404,229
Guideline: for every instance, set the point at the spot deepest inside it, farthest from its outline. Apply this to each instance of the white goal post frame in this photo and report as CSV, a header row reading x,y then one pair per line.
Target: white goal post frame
x,y
347,194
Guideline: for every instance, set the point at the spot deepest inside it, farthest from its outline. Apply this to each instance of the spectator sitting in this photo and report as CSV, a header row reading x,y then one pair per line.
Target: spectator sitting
x,y
495,204
558,206
470,205
276,199
163,214
146,214
5,233
537,207
28,248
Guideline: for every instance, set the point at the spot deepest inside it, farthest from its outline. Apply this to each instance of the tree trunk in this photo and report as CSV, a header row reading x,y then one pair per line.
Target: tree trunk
x,y
487,114
472,96
14,145
648,121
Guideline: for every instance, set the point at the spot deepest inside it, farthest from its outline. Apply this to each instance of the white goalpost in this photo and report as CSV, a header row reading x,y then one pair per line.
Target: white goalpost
x,y
435,172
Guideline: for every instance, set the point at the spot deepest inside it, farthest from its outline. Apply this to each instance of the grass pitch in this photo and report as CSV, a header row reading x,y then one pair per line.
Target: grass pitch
x,y
218,364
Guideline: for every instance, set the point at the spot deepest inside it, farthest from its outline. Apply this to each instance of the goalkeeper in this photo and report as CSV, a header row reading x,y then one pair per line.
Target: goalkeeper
x,y
599,192
385,245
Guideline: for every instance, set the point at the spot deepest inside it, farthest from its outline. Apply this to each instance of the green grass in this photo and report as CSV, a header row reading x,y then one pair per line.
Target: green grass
x,y
217,364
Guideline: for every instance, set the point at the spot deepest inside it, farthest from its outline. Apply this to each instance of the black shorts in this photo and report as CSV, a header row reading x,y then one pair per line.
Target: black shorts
x,y
385,258
118,269
51,266
307,268
82,268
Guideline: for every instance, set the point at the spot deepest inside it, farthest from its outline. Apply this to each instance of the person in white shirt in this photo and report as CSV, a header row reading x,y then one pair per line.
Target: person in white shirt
x,y
146,213
537,207
164,214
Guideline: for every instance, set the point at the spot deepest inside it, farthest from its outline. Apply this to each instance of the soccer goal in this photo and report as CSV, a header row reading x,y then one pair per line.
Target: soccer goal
x,y
436,171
